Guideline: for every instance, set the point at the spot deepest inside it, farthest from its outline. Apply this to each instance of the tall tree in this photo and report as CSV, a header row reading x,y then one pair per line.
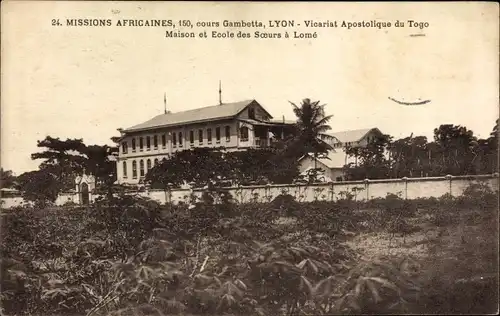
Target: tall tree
x,y
409,156
311,127
492,150
66,159
455,143
99,164
371,161
62,158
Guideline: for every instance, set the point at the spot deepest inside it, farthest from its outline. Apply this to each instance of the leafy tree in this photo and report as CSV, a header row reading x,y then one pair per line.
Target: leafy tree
x,y
283,169
492,150
494,132
63,158
205,166
99,164
371,161
455,143
409,157
485,154
199,165
311,128
66,159
262,165
455,150
7,179
41,186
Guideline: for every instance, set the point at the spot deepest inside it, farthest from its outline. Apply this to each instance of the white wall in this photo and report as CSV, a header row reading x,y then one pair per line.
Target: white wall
x,y
11,202
408,188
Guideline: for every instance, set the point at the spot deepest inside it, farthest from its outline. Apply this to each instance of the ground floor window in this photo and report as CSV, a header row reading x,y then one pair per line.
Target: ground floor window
x,y
134,169
244,133
141,167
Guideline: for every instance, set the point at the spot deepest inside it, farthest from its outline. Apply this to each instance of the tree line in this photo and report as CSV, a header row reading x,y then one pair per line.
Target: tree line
x,y
453,151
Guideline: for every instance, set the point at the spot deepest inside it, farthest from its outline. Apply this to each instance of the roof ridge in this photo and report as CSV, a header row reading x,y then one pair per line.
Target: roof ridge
x,y
211,106
353,134
352,130
224,110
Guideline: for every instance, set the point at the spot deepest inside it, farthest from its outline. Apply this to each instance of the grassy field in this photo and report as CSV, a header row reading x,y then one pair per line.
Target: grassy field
x,y
130,256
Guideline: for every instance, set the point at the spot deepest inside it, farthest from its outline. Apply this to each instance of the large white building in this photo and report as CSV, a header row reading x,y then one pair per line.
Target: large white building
x,y
234,126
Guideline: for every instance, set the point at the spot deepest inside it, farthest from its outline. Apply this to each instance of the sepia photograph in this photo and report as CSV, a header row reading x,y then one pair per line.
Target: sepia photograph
x,y
249,158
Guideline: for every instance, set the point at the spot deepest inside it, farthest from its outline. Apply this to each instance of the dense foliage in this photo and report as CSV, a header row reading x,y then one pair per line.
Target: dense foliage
x,y
204,166
41,186
7,178
131,256
62,162
455,151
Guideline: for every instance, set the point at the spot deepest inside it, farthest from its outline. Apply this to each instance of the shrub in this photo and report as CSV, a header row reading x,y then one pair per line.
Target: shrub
x,y
287,204
479,194
384,286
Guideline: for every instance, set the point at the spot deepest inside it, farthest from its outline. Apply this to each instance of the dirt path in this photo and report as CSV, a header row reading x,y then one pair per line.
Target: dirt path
x,y
458,261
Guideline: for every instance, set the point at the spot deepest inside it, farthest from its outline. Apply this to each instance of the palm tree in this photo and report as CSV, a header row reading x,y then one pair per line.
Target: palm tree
x,y
311,128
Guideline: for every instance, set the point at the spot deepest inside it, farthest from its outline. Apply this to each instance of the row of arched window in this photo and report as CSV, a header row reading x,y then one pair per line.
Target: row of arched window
x,y
142,171
177,139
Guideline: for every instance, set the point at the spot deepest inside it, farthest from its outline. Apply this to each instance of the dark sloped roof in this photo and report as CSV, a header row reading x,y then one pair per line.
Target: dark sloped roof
x,y
225,110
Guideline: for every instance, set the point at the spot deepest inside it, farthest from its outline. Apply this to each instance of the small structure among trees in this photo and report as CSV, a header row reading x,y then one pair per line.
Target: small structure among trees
x,y
85,185
64,162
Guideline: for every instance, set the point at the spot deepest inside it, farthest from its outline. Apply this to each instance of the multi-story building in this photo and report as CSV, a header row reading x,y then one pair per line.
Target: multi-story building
x,y
234,126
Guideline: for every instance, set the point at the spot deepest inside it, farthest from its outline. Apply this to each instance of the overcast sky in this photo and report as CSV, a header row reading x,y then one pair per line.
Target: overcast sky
x,y
85,82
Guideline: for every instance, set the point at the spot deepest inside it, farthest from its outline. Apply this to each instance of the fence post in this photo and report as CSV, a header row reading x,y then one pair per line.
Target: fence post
x,y
449,177
405,179
495,183
240,189
169,192
367,189
332,192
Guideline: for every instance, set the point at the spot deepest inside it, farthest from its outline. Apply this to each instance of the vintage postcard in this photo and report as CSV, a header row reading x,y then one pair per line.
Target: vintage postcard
x,y
249,158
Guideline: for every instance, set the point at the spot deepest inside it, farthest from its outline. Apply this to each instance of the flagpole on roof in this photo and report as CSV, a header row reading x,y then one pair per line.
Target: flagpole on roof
x,y
220,93
165,102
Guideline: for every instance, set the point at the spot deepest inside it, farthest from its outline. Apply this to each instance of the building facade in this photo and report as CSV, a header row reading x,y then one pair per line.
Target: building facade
x,y
332,164
355,138
234,126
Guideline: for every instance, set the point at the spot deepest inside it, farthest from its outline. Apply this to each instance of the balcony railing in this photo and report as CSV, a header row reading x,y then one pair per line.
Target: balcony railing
x,y
261,142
